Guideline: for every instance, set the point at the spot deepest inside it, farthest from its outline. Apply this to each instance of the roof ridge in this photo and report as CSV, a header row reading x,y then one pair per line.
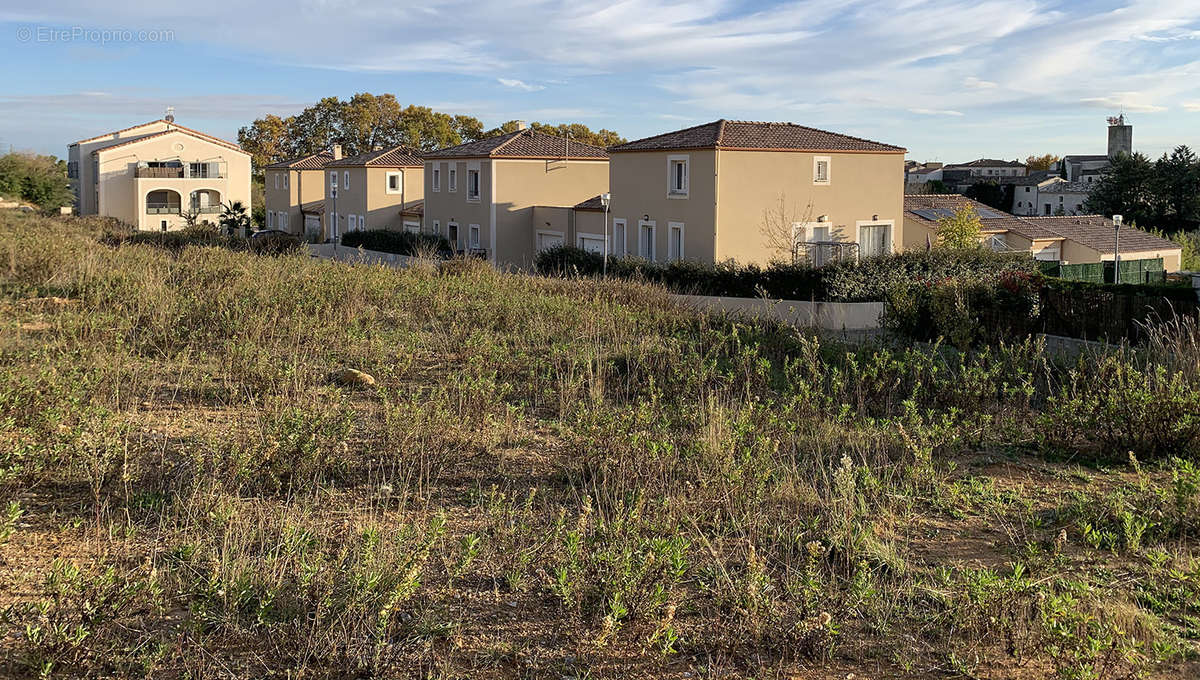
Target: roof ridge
x,y
182,130
117,132
511,136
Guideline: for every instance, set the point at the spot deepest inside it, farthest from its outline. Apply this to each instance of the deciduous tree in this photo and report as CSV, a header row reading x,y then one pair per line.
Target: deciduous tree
x,y
960,230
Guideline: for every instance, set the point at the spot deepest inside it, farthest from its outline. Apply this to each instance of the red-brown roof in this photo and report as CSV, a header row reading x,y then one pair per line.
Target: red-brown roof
x,y
395,157
592,203
176,129
755,136
416,208
313,161
1096,232
522,144
116,132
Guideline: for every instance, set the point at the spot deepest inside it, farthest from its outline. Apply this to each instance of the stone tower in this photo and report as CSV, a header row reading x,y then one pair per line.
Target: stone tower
x,y
1120,137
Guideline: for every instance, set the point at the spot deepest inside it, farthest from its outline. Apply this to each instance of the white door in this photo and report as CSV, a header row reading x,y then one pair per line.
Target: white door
x,y
875,240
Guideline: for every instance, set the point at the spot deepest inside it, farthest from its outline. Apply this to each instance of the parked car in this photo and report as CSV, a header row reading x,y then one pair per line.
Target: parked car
x,y
264,233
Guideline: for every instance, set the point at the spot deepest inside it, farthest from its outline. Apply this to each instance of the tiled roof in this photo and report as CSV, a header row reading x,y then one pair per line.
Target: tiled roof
x,y
1096,232
315,207
987,163
1068,188
522,144
313,161
1001,223
180,130
748,135
1079,159
117,132
417,208
592,203
395,157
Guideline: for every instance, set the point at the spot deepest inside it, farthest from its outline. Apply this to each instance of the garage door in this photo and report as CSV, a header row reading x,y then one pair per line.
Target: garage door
x,y
592,244
547,240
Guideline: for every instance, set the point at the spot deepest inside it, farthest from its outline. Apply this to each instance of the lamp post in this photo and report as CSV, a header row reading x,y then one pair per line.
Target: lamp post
x,y
1117,219
605,199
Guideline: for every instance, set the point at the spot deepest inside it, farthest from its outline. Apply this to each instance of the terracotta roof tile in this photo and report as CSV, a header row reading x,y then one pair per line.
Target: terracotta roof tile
x,y
396,157
1096,232
522,144
592,203
739,134
313,161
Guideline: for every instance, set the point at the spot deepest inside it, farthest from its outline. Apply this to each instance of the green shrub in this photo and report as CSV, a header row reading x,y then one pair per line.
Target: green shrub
x,y
867,280
398,242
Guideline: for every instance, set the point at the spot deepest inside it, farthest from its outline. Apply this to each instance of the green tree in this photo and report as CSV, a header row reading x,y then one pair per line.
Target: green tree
x,y
1177,187
577,132
234,218
960,230
41,180
1127,187
266,140
990,194
316,128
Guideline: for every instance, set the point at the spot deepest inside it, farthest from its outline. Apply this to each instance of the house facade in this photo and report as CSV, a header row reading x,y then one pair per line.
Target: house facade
x,y
991,168
752,192
157,176
373,190
507,197
294,193
1064,239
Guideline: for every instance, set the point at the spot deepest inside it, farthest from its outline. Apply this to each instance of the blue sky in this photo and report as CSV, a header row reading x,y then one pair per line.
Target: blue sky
x,y
949,80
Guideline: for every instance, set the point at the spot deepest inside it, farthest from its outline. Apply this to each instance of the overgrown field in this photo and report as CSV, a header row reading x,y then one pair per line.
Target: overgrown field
x,y
561,479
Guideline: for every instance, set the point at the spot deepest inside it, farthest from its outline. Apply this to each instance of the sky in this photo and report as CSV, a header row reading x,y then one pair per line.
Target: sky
x,y
949,80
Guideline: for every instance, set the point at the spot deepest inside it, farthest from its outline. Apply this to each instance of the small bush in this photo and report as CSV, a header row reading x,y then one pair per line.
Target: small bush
x,y
399,242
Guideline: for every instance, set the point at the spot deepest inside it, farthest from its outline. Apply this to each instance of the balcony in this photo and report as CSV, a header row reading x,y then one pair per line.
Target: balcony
x,y
161,209
186,171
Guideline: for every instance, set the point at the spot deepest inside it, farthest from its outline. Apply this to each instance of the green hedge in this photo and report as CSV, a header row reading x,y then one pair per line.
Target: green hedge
x,y
398,242
867,280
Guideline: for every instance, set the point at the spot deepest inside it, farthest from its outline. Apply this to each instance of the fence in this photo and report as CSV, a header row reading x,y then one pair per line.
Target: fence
x,y
1108,312
1132,271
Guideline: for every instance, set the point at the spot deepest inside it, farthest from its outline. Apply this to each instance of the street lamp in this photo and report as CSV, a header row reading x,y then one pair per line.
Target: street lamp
x,y
1117,219
605,199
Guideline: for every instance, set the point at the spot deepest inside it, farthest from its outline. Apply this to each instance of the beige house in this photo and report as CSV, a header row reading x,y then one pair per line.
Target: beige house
x,y
1065,239
295,193
755,192
373,190
153,176
506,197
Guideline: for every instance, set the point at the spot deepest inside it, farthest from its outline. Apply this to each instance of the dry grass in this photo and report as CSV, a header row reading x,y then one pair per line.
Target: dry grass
x,y
547,479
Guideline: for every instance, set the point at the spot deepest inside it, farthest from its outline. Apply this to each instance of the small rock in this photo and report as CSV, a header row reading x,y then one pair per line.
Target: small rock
x,y
350,377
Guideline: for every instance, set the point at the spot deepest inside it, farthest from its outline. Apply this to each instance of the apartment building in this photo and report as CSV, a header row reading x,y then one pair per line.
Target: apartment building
x,y
157,175
294,193
506,197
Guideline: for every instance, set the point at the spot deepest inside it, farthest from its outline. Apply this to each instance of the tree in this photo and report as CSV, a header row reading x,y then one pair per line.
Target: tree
x,y
234,218
1127,188
41,180
266,140
316,128
778,227
1177,187
960,230
1041,163
577,131
990,194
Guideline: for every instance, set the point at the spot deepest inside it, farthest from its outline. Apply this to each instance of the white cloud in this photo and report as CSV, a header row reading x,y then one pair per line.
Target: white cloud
x,y
520,85
1125,101
979,84
1194,107
936,112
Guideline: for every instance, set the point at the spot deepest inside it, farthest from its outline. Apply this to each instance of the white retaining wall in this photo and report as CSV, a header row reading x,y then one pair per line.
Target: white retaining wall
x,y
834,316
329,251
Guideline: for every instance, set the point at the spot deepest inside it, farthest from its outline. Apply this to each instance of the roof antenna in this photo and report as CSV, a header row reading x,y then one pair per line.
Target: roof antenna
x,y
170,117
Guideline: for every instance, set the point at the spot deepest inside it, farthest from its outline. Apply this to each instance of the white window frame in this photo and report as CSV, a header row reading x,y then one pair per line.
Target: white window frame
x,y
653,226
547,232
270,218
452,178
437,227
672,160
362,222
351,220
580,237
457,237
333,179
276,180
618,246
346,180
473,170
281,220
387,182
817,180
286,180
474,236
672,227
412,227
890,224
435,176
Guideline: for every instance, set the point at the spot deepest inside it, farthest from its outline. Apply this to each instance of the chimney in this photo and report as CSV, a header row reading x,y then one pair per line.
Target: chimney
x,y
521,125
337,152
1120,137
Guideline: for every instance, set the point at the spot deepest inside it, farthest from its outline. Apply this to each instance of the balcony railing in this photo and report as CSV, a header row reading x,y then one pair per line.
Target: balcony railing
x,y
820,253
204,171
208,209
152,209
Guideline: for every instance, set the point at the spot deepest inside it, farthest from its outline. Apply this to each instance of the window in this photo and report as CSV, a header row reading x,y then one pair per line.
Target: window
x,y
437,177
204,170
351,221
474,236
437,226
72,169
674,241
646,240
452,234
821,170
285,180
1046,208
346,179
276,179
271,214
1026,189
362,222
618,238
412,227
333,179
281,220
874,239
472,185
395,182
452,178
677,176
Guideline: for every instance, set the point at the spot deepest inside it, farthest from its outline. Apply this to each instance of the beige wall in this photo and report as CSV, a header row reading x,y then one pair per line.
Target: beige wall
x,y
861,186
1076,253
123,195
508,202
86,185
639,190
368,196
303,186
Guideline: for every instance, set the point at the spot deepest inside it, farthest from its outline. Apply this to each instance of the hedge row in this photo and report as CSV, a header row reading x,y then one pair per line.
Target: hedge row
x,y
399,242
867,280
